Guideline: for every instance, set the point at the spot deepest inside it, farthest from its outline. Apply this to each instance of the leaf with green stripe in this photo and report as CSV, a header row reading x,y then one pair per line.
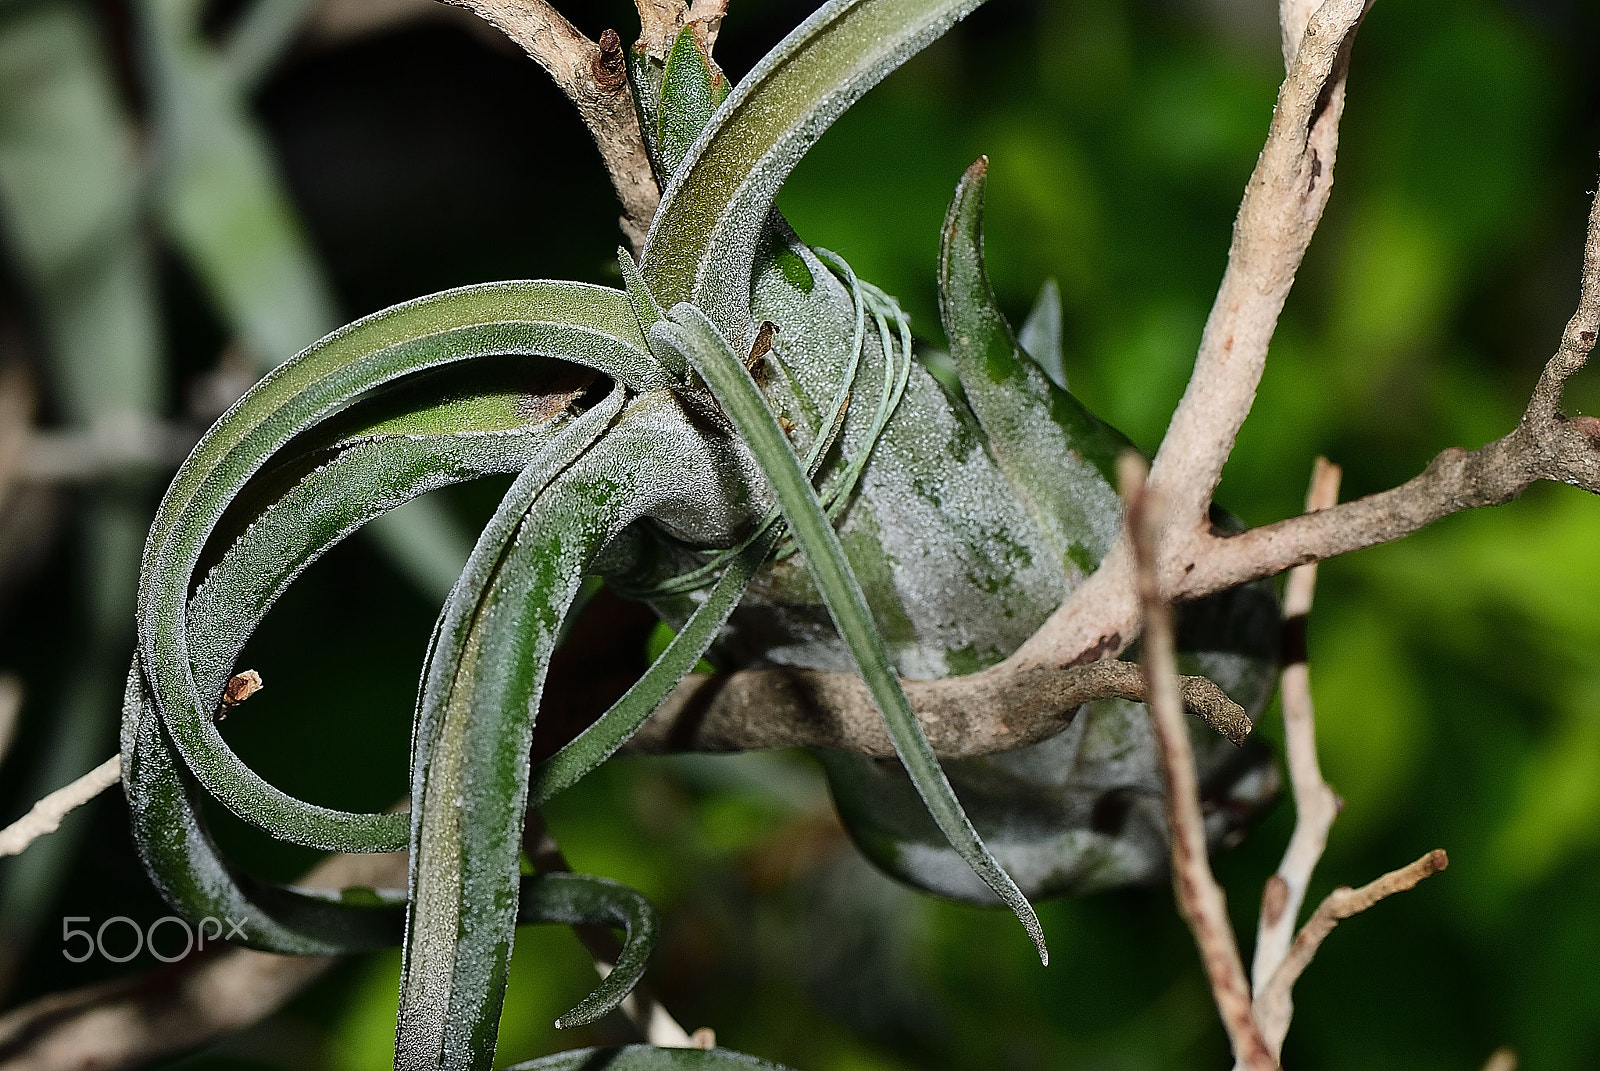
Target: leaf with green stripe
x,y
470,776
588,325
691,333
703,243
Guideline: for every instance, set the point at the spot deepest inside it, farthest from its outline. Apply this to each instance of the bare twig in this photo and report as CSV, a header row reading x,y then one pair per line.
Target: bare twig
x,y
1342,903
994,710
46,815
1282,204
1315,804
1545,445
593,78
1200,898
132,1021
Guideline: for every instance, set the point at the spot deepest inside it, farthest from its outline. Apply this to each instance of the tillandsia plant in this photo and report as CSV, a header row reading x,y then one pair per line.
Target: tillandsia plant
x,y
742,436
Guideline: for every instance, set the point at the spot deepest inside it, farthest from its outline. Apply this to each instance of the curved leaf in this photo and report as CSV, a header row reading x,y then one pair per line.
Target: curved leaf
x,y
583,900
486,671
1056,454
692,334
588,325
288,534
703,243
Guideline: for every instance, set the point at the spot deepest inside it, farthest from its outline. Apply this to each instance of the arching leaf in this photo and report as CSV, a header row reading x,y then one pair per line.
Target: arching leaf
x,y
692,334
588,325
703,243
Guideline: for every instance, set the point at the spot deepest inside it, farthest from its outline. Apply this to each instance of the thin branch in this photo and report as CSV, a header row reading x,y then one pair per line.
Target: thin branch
x,y
1282,205
1315,804
1341,904
998,709
130,1022
594,79
46,815
1199,897
1546,444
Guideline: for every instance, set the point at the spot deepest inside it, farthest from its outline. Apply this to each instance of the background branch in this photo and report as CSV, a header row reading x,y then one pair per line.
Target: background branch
x,y
1342,903
1315,804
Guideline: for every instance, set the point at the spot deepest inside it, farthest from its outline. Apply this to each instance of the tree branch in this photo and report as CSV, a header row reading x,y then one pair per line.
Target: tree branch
x,y
594,78
46,815
1341,904
1315,804
998,709
1282,205
1200,898
132,1021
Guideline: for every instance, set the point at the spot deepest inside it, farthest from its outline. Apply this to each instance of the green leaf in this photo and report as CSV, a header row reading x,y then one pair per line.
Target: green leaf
x,y
588,325
470,778
690,332
691,89
648,1058
614,728
1056,454
281,534
703,243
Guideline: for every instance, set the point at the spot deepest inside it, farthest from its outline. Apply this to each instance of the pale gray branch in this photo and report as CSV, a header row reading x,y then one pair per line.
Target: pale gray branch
x,y
1546,444
45,816
1315,804
132,1021
1341,904
1282,205
998,709
1200,898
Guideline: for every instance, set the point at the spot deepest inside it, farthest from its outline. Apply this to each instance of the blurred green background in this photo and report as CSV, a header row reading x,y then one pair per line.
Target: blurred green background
x,y
1456,672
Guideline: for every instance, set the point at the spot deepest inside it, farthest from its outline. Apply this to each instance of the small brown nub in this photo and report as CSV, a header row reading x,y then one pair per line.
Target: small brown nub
x,y
240,686
607,66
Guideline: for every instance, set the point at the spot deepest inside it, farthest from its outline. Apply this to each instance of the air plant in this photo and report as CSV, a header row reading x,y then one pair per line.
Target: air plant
x,y
743,437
